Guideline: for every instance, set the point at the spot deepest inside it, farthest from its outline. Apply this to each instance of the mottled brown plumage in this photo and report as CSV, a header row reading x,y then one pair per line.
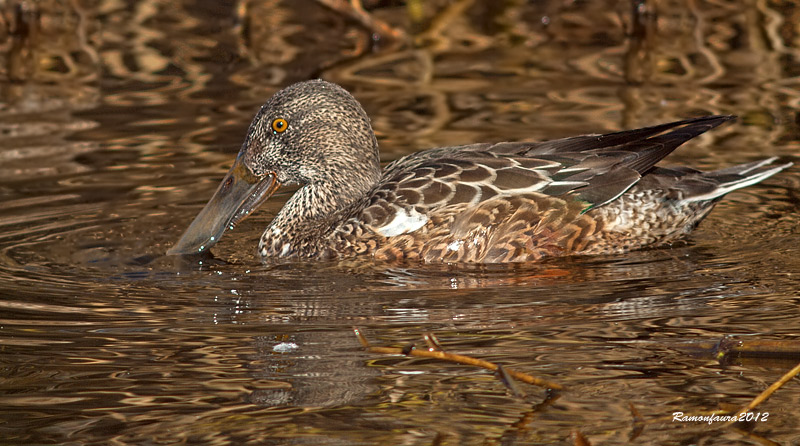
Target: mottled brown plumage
x,y
505,202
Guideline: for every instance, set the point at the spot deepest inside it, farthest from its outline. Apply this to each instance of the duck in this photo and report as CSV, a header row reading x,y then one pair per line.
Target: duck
x,y
593,194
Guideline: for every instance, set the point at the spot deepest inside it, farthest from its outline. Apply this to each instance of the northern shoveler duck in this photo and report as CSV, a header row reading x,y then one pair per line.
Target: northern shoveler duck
x,y
503,202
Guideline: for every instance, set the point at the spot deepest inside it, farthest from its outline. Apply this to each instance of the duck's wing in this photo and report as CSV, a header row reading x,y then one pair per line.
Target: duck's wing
x,y
596,169
497,195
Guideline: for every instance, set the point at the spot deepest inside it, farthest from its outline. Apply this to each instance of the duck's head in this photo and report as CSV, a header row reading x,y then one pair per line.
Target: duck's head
x,y
311,132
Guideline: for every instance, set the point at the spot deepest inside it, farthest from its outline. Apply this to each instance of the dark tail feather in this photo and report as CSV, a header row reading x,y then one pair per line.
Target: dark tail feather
x,y
653,149
646,146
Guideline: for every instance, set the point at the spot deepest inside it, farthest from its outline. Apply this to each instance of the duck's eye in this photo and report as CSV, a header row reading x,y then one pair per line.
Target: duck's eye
x,y
279,125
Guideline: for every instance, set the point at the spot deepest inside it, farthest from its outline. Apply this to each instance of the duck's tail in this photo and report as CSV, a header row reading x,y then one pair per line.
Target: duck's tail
x,y
720,182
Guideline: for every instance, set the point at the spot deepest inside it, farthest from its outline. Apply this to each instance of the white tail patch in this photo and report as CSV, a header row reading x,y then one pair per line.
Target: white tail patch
x,y
744,182
762,163
404,221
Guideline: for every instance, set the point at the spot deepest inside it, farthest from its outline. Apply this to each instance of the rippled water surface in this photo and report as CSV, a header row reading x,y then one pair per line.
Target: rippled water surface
x,y
118,119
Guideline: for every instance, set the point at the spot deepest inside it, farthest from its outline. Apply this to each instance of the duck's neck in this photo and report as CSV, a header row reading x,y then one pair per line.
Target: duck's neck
x,y
313,211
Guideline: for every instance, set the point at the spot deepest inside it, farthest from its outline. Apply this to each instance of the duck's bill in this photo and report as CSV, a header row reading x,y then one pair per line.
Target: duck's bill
x,y
239,194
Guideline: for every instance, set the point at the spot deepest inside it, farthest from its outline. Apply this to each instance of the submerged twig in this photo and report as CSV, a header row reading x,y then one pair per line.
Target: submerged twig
x,y
522,424
728,347
757,347
756,439
361,338
506,379
432,341
355,10
766,393
460,359
638,422
579,440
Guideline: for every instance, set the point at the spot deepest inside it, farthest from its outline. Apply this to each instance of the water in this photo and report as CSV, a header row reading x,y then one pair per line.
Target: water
x,y
117,120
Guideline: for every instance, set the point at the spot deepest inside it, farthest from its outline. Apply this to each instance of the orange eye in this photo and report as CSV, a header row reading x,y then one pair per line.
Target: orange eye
x,y
279,125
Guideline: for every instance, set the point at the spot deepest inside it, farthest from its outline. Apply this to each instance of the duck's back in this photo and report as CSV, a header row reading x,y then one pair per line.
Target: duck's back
x,y
514,202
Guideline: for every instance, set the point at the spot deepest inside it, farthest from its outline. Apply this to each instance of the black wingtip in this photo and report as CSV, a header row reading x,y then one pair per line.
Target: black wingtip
x,y
709,122
665,138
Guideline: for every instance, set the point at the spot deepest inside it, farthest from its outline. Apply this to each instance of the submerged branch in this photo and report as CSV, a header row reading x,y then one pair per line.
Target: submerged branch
x,y
410,350
767,393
